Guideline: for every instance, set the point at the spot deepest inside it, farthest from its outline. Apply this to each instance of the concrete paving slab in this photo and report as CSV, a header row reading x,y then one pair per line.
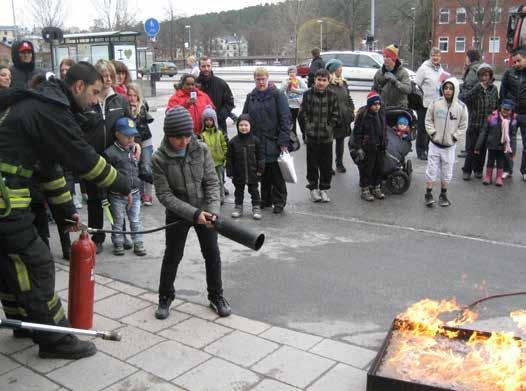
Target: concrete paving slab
x,y
145,319
169,359
243,324
102,323
126,288
273,385
29,358
341,378
372,341
242,348
196,332
102,280
102,291
292,338
9,345
198,310
92,373
61,280
6,364
217,375
293,366
142,381
348,354
133,341
120,305
26,380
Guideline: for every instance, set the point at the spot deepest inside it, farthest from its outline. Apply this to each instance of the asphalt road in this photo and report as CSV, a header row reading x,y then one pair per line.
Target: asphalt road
x,y
347,268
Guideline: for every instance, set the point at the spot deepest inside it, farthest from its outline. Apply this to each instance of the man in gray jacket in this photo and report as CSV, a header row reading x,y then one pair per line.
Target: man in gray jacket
x,y
392,81
186,184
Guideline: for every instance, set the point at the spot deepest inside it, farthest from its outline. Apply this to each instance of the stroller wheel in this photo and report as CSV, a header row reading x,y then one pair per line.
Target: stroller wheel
x,y
409,168
398,182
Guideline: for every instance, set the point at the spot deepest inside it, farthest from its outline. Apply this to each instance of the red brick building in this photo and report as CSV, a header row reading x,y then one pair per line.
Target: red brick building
x,y
453,32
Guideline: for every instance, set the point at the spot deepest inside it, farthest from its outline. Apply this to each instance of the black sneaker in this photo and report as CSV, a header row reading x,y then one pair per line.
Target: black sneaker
x,y
164,308
442,200
429,199
221,306
341,168
278,209
138,249
118,250
466,176
478,174
69,348
100,248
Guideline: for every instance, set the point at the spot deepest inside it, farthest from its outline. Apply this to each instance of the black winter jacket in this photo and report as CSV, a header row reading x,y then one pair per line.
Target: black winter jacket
x,y
125,163
346,109
220,94
513,86
245,158
142,122
100,131
321,114
370,130
491,133
22,73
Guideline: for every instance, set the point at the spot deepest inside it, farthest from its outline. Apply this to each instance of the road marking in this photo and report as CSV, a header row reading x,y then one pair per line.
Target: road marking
x,y
412,229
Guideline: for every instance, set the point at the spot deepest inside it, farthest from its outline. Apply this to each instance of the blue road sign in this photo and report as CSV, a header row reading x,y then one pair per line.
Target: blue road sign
x,y
152,27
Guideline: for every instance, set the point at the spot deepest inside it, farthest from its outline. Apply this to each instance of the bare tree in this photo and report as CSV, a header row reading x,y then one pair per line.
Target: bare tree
x,y
354,15
113,14
481,15
48,13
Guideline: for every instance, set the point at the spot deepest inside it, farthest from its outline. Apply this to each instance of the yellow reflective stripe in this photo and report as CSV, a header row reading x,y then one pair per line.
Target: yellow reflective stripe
x,y
61,199
110,178
7,296
15,311
19,203
15,193
54,185
15,170
21,273
53,302
95,171
59,315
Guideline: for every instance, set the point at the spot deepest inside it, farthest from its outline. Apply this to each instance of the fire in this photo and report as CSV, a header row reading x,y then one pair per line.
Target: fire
x,y
520,318
425,349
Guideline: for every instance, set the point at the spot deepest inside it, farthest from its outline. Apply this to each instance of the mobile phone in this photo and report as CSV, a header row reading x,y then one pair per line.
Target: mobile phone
x,y
193,95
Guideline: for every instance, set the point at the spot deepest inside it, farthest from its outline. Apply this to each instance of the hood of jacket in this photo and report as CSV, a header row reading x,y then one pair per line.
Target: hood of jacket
x,y
53,91
30,66
209,113
456,86
485,67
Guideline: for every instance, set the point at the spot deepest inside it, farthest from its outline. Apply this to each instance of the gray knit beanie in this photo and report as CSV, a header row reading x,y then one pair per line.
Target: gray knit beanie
x,y
178,122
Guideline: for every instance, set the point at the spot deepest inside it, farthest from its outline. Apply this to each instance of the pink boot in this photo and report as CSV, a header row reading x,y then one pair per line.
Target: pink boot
x,y
498,181
489,175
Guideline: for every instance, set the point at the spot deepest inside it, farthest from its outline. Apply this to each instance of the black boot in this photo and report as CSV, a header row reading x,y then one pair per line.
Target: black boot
x,y
221,306
69,348
164,308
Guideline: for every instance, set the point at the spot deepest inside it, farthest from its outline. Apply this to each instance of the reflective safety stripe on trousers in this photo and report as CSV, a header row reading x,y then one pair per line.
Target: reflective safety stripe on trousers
x,y
22,275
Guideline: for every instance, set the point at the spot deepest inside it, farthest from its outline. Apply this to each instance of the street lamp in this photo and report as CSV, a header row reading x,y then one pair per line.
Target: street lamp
x,y
320,21
189,36
413,39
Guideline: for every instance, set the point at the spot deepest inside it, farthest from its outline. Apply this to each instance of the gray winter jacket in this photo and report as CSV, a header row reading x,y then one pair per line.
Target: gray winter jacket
x,y
187,185
393,90
427,78
125,163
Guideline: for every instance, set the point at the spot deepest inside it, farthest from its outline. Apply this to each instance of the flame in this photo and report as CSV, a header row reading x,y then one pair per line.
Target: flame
x,y
426,351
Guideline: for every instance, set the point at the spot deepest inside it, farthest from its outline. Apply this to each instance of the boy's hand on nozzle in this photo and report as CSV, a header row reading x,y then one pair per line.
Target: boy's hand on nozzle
x,y
476,152
70,227
206,218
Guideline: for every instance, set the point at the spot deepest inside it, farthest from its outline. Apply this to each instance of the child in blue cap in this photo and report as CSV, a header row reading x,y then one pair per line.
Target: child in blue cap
x,y
121,156
402,128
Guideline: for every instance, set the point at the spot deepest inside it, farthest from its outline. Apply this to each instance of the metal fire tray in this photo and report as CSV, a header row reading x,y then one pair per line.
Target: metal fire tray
x,y
377,382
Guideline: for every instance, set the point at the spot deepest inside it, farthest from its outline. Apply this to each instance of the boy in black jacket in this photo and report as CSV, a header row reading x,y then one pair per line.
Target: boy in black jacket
x,y
320,111
245,163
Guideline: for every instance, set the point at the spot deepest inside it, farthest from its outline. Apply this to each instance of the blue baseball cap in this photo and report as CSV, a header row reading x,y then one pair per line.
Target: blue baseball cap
x,y
126,126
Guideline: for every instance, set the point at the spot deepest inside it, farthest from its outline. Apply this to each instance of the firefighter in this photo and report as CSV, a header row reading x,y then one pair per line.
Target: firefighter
x,y
42,126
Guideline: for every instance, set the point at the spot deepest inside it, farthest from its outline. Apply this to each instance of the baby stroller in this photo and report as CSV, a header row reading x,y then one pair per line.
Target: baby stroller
x,y
397,169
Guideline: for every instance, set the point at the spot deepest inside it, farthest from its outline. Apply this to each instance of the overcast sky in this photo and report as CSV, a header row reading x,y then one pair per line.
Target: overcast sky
x,y
82,13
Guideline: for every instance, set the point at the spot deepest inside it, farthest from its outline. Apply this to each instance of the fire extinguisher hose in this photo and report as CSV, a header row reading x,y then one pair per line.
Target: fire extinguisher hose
x,y
477,302
109,231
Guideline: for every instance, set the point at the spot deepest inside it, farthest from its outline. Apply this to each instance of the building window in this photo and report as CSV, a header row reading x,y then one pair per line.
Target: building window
x,y
478,15
443,17
443,44
476,42
494,45
461,16
460,44
495,17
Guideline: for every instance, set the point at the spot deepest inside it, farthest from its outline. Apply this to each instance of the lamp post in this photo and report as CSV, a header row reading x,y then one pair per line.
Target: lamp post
x,y
189,36
320,21
413,39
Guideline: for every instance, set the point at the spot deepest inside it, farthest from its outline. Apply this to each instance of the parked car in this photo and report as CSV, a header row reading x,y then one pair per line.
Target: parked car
x,y
359,67
166,68
302,69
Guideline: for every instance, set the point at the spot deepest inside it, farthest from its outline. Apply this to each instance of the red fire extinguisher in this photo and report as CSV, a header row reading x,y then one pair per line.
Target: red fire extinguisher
x,y
81,282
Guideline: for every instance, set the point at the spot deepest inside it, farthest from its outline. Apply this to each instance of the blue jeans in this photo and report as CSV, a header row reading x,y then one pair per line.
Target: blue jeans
x,y
146,167
119,209
220,171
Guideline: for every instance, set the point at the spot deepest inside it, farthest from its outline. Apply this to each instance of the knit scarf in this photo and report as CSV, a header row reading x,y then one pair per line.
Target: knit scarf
x,y
505,138
337,81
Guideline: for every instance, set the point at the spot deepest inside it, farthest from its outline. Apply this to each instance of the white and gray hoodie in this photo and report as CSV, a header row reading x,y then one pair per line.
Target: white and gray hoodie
x,y
446,122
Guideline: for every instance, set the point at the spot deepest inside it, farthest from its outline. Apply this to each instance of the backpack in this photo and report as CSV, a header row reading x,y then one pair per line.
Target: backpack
x,y
415,98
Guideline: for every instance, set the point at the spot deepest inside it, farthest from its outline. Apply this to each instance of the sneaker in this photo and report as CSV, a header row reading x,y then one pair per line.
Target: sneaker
x,y
524,177
100,248
69,348
442,200
315,195
506,175
256,213
138,249
163,310
341,168
466,176
221,306
146,200
118,249
278,209
128,244
377,192
366,194
429,199
324,196
478,174
238,211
